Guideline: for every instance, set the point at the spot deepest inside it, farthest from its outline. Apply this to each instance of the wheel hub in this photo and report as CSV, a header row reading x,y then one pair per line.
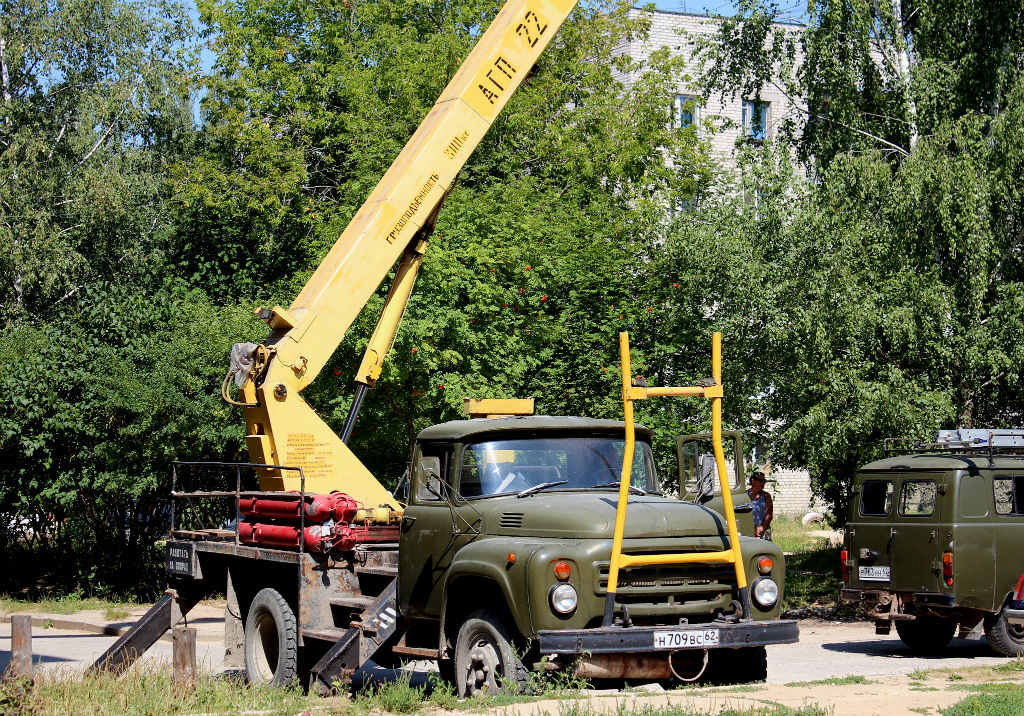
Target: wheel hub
x,y
482,670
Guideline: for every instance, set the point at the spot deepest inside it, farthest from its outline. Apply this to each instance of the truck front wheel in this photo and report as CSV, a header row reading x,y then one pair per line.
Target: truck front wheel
x,y
485,659
271,640
1003,637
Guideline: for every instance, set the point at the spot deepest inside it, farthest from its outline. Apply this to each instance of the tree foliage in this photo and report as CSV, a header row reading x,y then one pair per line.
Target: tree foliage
x,y
888,279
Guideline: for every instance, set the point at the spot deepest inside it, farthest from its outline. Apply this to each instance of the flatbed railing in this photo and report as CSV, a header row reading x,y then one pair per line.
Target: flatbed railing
x,y
237,493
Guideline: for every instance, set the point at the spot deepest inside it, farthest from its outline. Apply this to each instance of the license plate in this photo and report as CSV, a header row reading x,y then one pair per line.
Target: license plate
x,y
874,574
688,639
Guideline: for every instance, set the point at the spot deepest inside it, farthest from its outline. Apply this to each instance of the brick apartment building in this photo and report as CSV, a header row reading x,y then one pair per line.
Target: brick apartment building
x,y
720,123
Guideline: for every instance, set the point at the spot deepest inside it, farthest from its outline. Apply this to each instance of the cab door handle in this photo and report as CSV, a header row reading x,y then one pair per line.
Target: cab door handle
x,y
407,521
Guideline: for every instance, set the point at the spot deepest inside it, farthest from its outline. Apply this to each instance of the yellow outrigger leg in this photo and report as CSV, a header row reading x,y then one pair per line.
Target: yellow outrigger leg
x,y
712,390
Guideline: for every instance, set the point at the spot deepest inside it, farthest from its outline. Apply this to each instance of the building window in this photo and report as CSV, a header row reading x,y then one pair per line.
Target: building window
x,y
755,120
684,111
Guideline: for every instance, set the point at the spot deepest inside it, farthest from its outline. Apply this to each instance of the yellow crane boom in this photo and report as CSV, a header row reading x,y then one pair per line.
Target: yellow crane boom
x,y
282,429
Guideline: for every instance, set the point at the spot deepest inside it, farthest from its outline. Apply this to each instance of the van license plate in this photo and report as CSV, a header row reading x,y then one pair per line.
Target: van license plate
x,y
685,639
874,574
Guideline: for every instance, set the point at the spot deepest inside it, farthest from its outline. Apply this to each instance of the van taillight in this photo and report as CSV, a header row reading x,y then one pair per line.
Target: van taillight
x,y
947,568
844,562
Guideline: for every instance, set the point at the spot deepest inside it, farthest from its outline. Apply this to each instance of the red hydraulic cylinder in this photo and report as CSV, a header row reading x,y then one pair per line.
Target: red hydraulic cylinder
x,y
315,538
319,508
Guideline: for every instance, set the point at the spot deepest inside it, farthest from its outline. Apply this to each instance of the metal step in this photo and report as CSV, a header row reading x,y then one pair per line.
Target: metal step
x,y
360,642
359,603
420,652
331,635
378,571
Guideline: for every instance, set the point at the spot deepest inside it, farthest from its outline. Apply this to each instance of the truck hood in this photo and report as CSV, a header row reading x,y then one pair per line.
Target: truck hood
x,y
591,515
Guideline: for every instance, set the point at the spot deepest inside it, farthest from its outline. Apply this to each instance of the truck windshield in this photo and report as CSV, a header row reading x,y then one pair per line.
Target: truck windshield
x,y
499,467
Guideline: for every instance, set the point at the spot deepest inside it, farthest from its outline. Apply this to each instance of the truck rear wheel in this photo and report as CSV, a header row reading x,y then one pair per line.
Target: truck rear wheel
x,y
271,640
927,634
485,659
1004,638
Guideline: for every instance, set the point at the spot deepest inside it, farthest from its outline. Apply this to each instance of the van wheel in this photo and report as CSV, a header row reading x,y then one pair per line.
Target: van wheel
x,y
1004,638
271,640
927,634
485,659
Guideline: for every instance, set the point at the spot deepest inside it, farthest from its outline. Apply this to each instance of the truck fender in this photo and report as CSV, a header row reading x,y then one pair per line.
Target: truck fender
x,y
486,561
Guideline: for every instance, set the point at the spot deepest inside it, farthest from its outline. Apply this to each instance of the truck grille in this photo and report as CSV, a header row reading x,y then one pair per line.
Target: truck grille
x,y
701,578
695,591
511,519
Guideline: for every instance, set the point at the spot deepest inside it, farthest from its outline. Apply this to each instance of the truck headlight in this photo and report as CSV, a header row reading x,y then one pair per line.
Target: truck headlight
x,y
563,598
766,592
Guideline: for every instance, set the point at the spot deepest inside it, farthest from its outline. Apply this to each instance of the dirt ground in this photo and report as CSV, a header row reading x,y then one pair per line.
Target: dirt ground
x,y
896,695
812,671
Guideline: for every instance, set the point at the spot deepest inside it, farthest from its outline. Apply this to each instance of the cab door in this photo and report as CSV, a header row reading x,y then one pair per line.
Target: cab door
x,y
427,541
917,537
698,476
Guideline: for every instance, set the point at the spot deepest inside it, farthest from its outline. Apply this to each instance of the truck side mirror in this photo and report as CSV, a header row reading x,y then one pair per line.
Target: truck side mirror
x,y
430,469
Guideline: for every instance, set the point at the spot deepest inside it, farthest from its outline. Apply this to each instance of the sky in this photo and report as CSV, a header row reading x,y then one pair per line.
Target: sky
x,y
796,9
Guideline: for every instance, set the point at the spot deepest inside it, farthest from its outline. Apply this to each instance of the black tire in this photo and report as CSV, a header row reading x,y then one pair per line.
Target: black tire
x,y
1004,638
485,657
271,640
737,666
927,634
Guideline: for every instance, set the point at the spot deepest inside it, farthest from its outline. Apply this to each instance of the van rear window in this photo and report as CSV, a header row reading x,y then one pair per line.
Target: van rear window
x,y
876,498
1009,495
917,498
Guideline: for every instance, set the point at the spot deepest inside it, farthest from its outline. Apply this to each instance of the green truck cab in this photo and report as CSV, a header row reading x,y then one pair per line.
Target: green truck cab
x,y
933,538
504,558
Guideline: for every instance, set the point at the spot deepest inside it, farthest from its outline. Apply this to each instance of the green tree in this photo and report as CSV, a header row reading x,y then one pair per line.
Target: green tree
x,y
95,99
884,286
97,404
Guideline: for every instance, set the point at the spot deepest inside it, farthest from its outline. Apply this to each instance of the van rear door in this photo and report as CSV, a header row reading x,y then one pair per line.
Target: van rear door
x,y
916,540
869,529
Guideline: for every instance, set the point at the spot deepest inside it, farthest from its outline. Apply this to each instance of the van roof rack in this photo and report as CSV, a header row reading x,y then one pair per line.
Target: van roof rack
x,y
960,440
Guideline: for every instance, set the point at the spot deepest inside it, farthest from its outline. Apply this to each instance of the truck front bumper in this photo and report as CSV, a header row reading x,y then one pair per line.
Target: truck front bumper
x,y
634,639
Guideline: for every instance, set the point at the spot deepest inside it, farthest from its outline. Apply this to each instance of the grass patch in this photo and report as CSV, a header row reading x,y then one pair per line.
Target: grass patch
x,y
834,681
812,578
146,691
1015,666
792,536
71,604
994,700
393,697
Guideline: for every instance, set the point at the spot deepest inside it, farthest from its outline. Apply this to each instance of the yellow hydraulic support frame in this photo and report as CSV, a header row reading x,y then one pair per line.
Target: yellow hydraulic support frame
x,y
282,429
713,391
